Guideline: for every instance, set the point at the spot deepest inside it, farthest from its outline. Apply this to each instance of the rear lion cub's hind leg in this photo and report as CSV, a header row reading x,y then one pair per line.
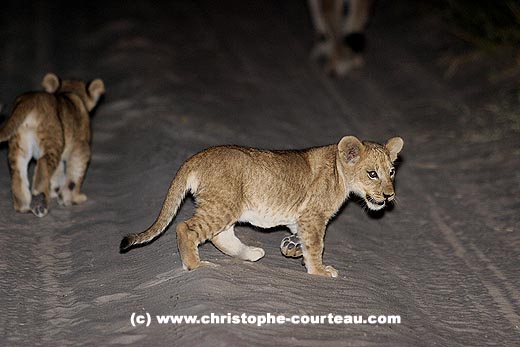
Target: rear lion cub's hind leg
x,y
45,168
58,181
76,168
227,242
19,159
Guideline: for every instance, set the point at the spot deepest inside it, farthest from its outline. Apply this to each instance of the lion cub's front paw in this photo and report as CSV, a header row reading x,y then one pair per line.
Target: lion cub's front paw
x,y
331,272
291,246
327,271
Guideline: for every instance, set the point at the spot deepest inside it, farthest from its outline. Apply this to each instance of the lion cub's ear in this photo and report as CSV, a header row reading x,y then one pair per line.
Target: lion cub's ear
x,y
51,83
351,148
95,89
394,146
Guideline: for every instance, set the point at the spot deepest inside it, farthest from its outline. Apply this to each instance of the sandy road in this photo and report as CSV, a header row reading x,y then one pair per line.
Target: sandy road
x,y
183,76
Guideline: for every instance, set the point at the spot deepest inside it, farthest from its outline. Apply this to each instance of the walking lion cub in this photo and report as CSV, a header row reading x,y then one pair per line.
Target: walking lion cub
x,y
53,127
298,189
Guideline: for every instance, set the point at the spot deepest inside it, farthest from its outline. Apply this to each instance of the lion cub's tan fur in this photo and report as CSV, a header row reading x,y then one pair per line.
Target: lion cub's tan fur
x,y
299,189
52,127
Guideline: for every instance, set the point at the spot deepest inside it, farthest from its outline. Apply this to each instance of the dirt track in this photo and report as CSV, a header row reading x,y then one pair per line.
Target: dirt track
x,y
184,76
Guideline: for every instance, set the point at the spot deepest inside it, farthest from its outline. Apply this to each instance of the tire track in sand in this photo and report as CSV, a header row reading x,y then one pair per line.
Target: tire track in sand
x,y
61,307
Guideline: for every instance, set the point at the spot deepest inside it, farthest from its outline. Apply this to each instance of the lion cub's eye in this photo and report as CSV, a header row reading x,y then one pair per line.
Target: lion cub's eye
x,y
372,174
392,172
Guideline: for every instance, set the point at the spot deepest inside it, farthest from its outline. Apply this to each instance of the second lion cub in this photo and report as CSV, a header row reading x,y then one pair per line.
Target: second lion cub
x,y
299,189
52,127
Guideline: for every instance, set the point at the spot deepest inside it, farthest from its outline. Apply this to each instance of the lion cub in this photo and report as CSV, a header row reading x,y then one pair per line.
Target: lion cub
x,y
299,189
52,127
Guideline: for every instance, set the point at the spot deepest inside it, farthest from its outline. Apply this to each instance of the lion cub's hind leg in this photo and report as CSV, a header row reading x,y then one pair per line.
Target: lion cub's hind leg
x,y
76,167
45,168
190,234
229,244
58,181
19,158
211,218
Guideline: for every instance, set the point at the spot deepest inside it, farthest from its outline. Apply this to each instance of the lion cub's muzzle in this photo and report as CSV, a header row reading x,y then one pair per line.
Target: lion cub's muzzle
x,y
375,204
374,201
389,197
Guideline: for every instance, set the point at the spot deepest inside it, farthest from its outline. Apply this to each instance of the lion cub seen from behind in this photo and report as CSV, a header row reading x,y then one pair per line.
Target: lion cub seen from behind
x,y
52,127
299,189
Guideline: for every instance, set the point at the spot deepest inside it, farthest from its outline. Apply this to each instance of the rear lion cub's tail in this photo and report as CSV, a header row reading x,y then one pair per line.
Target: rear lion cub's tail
x,y
11,125
174,198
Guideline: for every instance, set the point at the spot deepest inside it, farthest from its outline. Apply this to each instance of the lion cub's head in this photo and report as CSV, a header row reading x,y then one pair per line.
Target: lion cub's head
x,y
370,168
89,93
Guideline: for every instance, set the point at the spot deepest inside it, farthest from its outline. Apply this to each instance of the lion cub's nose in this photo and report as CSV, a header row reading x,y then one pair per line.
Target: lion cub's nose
x,y
389,197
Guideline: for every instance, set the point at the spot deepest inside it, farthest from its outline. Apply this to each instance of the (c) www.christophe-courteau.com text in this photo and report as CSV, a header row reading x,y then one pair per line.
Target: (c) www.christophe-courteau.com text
x,y
146,319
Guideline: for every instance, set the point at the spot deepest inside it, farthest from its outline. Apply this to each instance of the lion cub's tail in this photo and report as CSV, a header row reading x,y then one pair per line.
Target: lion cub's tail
x,y
176,193
12,123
